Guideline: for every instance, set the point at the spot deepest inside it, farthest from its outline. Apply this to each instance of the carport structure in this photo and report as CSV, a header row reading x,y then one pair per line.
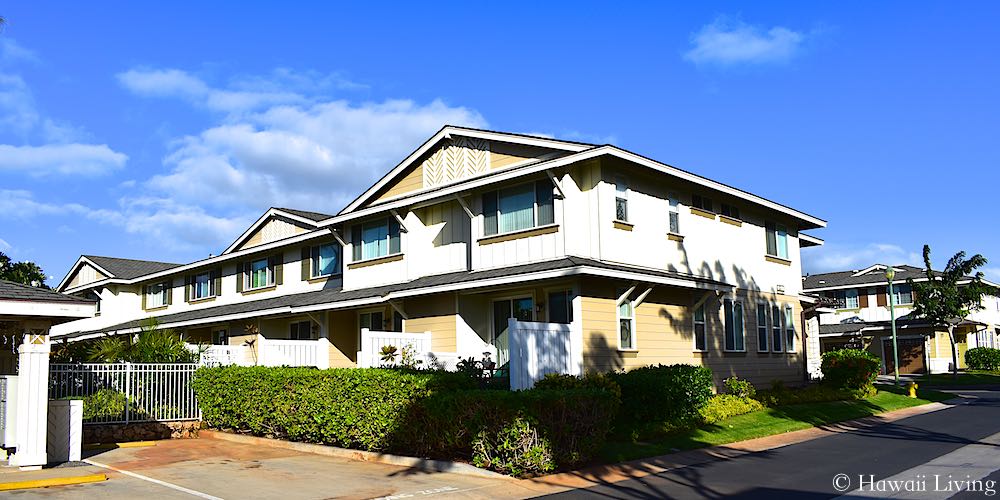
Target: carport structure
x,y
26,314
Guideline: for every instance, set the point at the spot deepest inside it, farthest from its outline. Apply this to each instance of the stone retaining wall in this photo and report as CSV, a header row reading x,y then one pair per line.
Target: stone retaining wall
x,y
140,431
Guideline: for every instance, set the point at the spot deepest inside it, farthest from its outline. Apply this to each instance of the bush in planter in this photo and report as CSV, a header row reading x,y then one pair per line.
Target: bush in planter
x,y
983,358
663,394
105,404
850,368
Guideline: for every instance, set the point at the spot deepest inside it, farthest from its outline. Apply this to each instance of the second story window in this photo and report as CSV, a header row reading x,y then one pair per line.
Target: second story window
x,y
902,295
518,208
730,211
325,260
157,295
375,239
851,299
260,273
674,214
202,286
699,201
777,240
621,199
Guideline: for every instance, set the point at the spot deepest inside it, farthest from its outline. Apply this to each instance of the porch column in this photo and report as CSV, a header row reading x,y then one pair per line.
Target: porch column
x,y
32,397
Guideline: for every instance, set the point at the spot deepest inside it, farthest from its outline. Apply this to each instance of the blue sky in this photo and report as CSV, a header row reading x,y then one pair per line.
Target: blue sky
x,y
160,132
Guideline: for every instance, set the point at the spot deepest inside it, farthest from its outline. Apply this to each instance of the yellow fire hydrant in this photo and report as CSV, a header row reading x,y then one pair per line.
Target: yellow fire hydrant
x,y
911,387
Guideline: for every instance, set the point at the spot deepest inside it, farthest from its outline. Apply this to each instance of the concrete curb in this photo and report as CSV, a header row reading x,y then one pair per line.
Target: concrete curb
x,y
612,473
53,481
422,464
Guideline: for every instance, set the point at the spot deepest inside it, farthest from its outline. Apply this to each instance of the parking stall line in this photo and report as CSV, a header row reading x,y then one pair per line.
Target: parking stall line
x,y
172,486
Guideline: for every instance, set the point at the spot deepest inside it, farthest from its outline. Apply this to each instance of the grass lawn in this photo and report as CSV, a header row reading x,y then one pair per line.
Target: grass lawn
x,y
769,422
969,377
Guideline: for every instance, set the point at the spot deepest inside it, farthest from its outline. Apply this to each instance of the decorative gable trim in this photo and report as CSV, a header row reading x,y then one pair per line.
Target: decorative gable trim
x,y
268,216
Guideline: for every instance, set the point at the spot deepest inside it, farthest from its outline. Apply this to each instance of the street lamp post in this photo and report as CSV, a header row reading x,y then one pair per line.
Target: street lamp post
x,y
890,273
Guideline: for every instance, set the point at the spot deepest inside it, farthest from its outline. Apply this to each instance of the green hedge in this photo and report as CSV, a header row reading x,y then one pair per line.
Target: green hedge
x,y
430,414
850,368
983,358
663,394
723,406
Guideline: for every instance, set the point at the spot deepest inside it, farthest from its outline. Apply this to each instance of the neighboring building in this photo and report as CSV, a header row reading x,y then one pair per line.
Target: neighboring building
x,y
27,310
859,318
647,263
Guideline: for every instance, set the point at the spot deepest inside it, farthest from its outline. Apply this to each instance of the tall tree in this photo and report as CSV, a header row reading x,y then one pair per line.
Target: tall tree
x,y
947,299
26,273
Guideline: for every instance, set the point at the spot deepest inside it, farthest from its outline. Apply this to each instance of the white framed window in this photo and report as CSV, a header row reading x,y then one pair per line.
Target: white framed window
x,y
259,274
325,260
626,325
518,208
372,320
700,337
674,214
220,337
157,295
776,339
561,306
777,240
790,328
621,199
902,294
375,239
521,308
851,299
300,330
202,286
762,327
735,335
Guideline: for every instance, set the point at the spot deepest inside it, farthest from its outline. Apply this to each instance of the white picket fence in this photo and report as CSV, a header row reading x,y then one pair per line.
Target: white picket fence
x,y
372,342
537,349
292,353
141,392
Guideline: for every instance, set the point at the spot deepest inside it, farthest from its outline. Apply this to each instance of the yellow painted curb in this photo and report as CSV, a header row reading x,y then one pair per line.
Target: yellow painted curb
x,y
110,446
55,481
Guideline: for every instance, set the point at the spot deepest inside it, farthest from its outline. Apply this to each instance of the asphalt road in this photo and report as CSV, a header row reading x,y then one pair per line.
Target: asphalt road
x,y
960,441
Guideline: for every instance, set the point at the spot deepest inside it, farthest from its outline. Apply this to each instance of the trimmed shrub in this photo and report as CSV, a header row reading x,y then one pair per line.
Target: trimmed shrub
x,y
723,406
663,394
739,388
429,414
850,368
983,358
105,404
588,381
817,393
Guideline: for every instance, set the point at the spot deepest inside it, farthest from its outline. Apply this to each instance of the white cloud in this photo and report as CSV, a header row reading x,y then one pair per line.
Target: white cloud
x,y
11,51
303,152
63,159
838,257
4,245
726,42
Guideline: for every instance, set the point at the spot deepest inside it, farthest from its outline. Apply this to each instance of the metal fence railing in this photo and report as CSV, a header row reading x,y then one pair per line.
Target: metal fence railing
x,y
127,392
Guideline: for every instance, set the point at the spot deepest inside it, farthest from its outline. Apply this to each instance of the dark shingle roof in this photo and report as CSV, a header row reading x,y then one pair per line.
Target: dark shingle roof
x,y
334,295
313,216
846,278
10,290
127,269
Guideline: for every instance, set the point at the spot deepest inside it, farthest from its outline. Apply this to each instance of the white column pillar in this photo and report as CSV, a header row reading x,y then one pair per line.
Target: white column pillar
x,y
32,397
323,343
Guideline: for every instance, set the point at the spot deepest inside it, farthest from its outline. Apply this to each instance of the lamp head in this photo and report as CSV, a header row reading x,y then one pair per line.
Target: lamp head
x,y
890,273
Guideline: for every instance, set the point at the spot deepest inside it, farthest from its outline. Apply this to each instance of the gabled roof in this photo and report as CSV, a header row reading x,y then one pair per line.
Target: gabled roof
x,y
445,133
302,216
10,290
871,275
116,268
127,269
352,212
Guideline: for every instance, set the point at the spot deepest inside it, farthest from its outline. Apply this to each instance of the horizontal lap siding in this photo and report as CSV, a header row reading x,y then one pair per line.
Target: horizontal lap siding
x,y
435,314
343,334
412,181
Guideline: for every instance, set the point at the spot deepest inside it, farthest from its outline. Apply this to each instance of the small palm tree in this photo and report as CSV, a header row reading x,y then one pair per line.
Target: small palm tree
x,y
151,345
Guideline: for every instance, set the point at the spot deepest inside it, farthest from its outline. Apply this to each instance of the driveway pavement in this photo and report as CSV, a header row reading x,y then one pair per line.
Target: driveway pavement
x,y
210,468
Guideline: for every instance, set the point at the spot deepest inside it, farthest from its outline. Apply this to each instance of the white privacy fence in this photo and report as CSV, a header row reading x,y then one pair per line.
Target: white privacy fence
x,y
292,353
540,348
373,341
128,392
